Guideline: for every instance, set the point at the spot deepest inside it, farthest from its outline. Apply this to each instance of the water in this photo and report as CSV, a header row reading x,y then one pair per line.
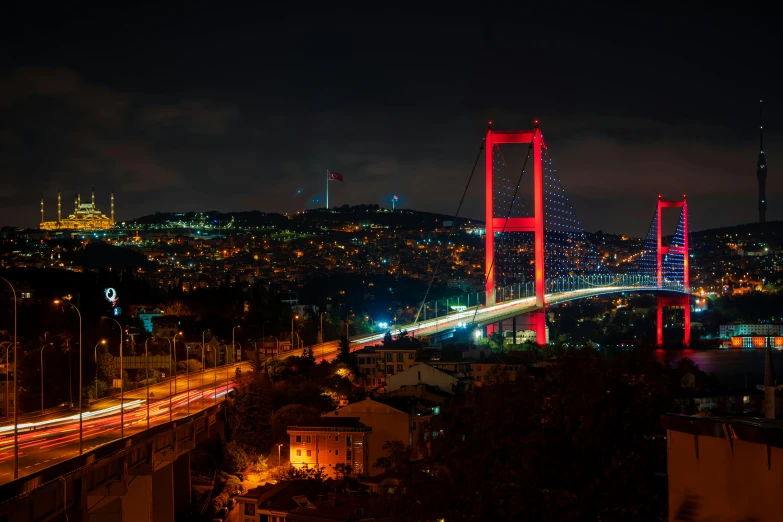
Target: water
x,y
732,366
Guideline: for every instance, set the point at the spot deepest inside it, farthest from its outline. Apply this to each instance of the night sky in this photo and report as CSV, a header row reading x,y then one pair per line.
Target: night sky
x,y
206,109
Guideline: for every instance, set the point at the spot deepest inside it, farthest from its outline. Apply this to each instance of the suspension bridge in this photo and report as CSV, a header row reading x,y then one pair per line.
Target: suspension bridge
x,y
540,256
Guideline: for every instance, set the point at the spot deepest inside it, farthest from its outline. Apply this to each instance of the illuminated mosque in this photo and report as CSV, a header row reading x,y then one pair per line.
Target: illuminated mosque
x,y
85,216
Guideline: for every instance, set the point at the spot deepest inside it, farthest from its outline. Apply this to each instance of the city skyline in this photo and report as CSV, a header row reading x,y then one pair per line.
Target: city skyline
x,y
213,133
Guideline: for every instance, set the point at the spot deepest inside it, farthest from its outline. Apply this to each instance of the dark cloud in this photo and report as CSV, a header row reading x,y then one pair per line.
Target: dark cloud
x,y
196,116
213,109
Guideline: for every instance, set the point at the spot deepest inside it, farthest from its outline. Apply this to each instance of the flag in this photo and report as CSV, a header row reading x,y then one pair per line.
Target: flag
x,y
334,176
395,198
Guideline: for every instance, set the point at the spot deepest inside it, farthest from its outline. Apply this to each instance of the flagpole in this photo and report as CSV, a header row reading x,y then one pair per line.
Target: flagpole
x,y
327,190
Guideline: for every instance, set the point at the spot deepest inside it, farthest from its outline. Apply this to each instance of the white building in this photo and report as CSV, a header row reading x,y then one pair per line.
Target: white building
x,y
422,373
738,330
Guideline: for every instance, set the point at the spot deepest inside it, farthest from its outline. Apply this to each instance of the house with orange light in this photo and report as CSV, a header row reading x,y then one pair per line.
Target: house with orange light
x,y
331,441
390,418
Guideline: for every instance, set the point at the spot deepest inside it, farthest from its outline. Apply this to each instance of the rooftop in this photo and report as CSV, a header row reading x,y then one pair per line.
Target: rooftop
x,y
333,424
757,430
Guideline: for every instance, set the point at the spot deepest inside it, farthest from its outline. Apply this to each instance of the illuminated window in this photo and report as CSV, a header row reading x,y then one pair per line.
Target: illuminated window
x,y
309,453
298,453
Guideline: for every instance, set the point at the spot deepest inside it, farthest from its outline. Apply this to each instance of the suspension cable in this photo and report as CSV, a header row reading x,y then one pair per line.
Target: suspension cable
x,y
508,216
451,230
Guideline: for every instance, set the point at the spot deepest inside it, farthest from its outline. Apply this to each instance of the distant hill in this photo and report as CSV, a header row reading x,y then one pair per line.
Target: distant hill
x,y
102,255
370,214
769,232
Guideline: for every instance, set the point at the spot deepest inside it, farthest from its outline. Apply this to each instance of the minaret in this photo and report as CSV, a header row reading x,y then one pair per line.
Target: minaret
x,y
769,387
78,200
42,212
761,170
93,198
75,203
112,207
59,207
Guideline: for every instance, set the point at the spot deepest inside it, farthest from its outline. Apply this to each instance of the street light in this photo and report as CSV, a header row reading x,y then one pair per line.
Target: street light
x,y
81,426
7,373
321,331
277,341
255,346
147,377
170,373
233,344
95,355
16,388
278,455
203,366
187,373
175,361
292,330
122,381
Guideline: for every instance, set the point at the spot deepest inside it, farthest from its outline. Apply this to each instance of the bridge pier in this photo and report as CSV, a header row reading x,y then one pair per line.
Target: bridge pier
x,y
163,501
535,321
181,482
683,301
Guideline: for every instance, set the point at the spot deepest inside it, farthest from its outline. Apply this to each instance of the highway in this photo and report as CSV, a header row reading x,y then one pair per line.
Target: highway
x,y
49,439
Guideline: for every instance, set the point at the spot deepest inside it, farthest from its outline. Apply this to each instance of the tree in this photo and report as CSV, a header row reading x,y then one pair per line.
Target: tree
x,y
398,455
342,470
345,351
234,457
292,415
584,443
250,415
191,366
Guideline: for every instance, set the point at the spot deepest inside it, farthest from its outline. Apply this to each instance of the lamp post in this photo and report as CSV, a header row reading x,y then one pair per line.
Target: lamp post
x,y
255,346
95,356
277,341
170,373
81,425
292,330
278,455
233,344
122,381
16,406
7,373
321,331
187,373
214,380
175,361
147,377
203,366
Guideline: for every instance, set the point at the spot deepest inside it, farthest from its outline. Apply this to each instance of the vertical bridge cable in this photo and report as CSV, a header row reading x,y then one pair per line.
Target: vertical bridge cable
x,y
569,251
674,263
451,231
508,214
646,266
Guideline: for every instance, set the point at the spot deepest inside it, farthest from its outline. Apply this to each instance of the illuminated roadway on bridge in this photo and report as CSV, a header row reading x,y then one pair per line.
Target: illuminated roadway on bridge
x,y
500,311
46,440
